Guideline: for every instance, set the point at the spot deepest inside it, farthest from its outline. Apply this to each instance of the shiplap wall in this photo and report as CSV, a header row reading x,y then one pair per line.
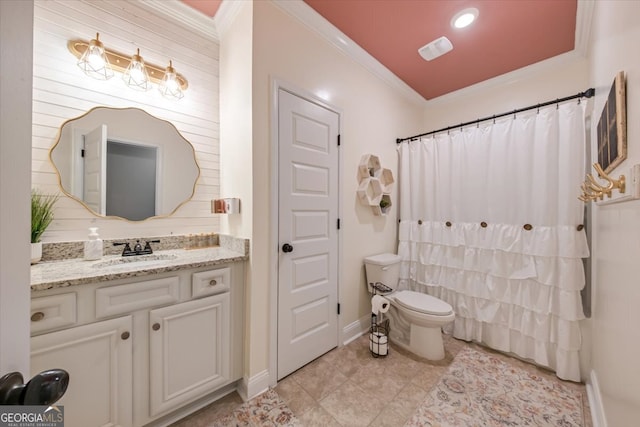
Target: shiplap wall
x,y
61,91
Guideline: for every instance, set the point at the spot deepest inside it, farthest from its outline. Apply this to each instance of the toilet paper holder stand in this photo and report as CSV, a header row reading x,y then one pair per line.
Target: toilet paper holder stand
x,y
379,338
379,330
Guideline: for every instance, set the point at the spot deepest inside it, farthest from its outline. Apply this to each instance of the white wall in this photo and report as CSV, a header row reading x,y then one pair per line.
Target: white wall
x,y
235,120
616,314
374,114
16,23
61,91
236,132
536,84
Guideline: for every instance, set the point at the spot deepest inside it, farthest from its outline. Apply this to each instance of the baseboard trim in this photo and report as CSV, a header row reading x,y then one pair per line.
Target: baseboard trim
x,y
254,386
595,401
356,329
190,408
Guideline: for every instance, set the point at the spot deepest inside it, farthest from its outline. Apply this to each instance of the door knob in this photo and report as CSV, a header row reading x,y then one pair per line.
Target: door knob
x,y
287,248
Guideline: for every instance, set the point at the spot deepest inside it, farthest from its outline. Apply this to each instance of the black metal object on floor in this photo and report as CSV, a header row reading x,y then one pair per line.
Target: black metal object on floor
x,y
44,388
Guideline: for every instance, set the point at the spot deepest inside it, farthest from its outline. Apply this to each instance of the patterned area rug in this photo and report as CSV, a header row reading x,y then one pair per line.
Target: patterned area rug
x,y
268,409
480,390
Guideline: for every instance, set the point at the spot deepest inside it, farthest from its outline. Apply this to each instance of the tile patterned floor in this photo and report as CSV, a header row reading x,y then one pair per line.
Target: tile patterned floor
x,y
348,387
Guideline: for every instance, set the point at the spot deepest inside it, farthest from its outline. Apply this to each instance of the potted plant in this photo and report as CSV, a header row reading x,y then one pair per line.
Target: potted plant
x,y
385,204
41,217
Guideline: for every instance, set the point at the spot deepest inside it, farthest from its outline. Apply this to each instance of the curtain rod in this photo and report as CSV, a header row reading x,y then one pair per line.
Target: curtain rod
x,y
586,94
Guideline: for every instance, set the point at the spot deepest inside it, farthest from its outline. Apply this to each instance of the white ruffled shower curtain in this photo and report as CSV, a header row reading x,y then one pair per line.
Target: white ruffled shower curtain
x,y
490,222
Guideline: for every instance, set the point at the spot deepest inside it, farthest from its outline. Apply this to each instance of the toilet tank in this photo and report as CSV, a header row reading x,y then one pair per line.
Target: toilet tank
x,y
383,268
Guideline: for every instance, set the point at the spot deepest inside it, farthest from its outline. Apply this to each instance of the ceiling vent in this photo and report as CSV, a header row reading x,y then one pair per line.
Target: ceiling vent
x,y
436,48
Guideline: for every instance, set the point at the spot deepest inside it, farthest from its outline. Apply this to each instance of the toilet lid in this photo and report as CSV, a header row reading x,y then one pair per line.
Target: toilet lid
x,y
423,303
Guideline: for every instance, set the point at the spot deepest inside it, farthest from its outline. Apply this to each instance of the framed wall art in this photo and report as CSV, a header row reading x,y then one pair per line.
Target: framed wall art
x,y
612,127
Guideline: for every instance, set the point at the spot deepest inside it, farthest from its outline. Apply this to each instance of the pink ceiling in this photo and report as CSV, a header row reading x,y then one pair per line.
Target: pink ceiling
x,y
208,7
508,35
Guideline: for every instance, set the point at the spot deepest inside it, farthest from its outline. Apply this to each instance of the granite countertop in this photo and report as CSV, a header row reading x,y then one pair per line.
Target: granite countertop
x,y
72,272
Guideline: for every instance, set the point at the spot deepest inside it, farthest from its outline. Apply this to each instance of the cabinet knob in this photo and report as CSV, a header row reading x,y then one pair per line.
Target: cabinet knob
x,y
155,326
37,316
213,282
125,335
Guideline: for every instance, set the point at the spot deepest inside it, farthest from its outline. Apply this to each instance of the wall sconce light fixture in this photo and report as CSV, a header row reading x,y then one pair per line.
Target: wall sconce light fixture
x,y
135,76
99,63
170,86
93,60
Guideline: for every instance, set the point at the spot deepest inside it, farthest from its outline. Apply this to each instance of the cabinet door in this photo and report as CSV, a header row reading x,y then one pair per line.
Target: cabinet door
x,y
99,360
189,351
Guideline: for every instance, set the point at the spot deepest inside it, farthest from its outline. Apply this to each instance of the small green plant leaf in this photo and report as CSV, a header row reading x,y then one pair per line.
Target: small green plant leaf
x,y
41,213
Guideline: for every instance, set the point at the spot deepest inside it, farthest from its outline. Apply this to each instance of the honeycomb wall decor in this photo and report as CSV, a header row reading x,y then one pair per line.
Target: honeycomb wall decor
x,y
374,185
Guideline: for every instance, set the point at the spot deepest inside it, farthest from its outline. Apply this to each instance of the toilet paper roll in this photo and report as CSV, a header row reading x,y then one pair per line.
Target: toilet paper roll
x,y
378,343
379,304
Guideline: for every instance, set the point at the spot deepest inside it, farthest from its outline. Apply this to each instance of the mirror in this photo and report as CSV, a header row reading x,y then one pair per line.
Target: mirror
x,y
124,162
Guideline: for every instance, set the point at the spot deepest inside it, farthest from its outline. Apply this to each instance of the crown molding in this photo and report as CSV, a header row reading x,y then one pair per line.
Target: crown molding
x,y
184,15
584,19
314,21
512,76
225,15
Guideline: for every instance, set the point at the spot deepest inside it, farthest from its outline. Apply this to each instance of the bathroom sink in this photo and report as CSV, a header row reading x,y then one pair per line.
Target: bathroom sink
x,y
141,260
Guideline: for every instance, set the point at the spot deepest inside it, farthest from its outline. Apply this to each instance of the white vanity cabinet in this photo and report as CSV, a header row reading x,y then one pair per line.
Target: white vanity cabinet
x,y
142,351
98,357
189,351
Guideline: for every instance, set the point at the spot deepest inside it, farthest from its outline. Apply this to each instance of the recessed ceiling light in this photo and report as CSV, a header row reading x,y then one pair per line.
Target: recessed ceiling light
x,y
464,18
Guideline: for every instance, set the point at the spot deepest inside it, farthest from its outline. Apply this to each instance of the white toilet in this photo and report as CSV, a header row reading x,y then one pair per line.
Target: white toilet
x,y
416,318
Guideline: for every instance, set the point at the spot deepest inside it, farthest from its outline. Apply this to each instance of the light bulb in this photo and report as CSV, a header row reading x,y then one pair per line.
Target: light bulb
x,y
94,61
172,84
135,76
464,18
170,87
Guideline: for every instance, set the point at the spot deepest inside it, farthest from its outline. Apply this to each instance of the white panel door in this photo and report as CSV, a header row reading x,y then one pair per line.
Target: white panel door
x,y
99,360
189,349
95,169
307,228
